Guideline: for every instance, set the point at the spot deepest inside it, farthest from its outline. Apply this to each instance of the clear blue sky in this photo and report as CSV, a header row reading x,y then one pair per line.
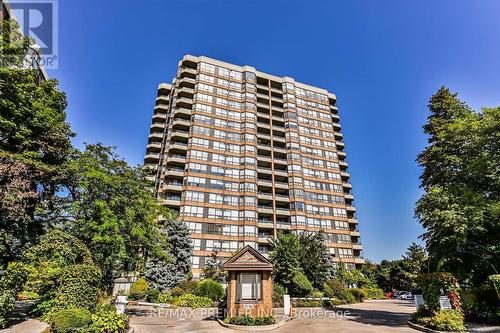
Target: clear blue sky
x,y
383,59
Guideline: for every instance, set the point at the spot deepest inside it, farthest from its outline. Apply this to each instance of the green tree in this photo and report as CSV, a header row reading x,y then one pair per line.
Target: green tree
x,y
285,257
164,274
213,268
113,212
315,258
460,207
34,148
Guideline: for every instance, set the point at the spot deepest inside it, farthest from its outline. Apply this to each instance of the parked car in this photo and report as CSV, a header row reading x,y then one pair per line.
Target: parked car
x,y
396,294
407,295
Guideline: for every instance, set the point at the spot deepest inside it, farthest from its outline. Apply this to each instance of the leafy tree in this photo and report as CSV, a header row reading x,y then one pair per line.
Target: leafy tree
x,y
285,257
315,258
460,206
34,147
163,274
213,268
113,212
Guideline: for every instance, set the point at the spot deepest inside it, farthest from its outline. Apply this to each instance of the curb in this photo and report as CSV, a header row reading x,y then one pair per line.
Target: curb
x,y
254,328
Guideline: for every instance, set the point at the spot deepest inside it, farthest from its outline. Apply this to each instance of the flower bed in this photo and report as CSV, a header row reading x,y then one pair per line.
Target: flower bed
x,y
250,321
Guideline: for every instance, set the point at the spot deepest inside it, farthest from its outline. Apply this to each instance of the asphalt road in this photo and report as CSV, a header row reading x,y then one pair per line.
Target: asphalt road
x,y
367,317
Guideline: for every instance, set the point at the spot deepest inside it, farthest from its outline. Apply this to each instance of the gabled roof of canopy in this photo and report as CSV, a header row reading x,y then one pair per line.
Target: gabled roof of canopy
x,y
248,259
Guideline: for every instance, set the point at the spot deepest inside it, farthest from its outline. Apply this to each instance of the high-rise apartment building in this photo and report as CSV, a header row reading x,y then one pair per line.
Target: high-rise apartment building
x,y
243,155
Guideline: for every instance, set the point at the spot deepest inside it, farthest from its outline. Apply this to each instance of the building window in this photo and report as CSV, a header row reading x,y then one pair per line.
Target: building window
x,y
249,287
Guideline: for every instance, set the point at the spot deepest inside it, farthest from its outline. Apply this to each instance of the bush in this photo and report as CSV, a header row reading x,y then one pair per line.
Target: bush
x,y
138,289
165,298
448,320
307,303
109,322
335,289
250,321
359,294
433,284
211,289
188,287
192,301
152,295
176,291
78,287
28,296
278,292
7,302
374,293
70,320
301,285
443,320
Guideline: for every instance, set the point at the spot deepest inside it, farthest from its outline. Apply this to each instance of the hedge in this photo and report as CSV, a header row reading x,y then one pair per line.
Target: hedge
x,y
70,320
78,287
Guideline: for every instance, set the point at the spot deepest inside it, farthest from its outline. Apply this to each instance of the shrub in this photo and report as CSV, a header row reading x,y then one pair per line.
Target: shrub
x,y
448,320
176,291
152,295
7,302
70,320
105,307
211,289
278,292
250,321
301,285
359,294
188,286
443,320
138,289
165,298
433,284
374,293
192,301
109,322
307,303
78,287
334,289
28,296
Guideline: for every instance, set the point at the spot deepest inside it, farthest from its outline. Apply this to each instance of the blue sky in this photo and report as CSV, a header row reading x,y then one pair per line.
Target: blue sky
x,y
383,59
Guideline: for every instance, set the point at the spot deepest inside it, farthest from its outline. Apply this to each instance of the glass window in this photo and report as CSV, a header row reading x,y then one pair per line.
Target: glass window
x,y
249,286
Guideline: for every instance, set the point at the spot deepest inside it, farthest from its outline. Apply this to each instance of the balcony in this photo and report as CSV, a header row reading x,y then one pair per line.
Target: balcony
x,y
183,111
174,172
157,127
282,211
160,117
173,186
185,91
264,195
355,233
176,158
357,246
177,145
153,146
359,260
150,157
184,102
282,198
180,133
265,209
348,196
155,135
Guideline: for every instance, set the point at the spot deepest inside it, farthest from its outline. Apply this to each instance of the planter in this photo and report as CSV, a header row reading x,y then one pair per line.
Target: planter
x,y
254,328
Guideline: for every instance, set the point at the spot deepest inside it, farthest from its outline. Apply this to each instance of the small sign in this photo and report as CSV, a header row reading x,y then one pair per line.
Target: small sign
x,y
419,301
444,302
248,306
286,304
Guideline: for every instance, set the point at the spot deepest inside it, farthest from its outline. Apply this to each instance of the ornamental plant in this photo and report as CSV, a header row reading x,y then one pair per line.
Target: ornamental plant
x,y
433,284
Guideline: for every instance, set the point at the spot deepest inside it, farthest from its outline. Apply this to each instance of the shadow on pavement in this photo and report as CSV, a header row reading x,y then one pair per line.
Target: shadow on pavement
x,y
375,317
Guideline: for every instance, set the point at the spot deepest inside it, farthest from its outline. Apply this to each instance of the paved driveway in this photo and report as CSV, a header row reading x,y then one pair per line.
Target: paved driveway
x,y
370,316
